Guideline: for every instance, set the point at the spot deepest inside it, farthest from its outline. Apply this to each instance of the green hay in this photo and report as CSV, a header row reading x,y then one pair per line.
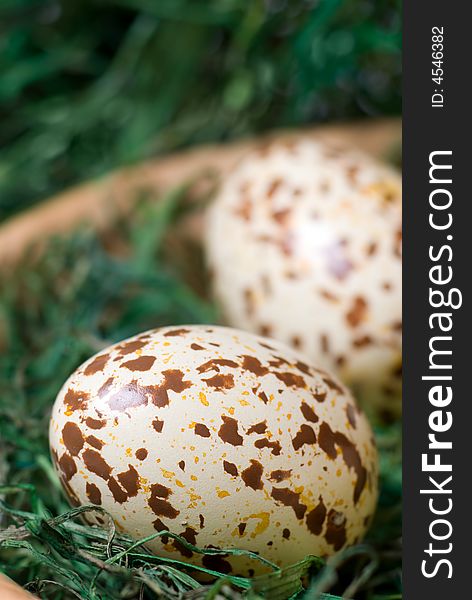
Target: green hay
x,y
77,298
89,85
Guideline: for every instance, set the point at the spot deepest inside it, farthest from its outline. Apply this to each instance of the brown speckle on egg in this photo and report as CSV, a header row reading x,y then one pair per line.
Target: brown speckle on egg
x,y
95,423
202,430
174,332
67,465
316,518
130,347
159,504
290,498
97,364
142,363
93,493
252,476
257,428
228,431
73,438
94,441
157,425
291,379
76,399
141,453
308,413
336,529
265,443
305,435
280,475
129,480
357,311
230,468
196,346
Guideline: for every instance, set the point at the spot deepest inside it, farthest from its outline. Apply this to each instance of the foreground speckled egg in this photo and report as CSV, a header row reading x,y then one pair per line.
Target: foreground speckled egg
x,y
304,245
221,436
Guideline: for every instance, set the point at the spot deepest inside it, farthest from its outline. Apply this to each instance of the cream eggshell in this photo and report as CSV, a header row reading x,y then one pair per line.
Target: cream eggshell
x,y
304,245
221,436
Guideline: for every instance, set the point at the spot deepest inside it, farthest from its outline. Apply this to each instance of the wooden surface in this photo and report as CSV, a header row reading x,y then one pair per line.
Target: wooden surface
x,y
97,202
10,591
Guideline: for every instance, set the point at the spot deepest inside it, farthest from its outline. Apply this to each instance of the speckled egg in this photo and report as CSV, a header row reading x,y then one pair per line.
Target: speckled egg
x,y
304,245
224,437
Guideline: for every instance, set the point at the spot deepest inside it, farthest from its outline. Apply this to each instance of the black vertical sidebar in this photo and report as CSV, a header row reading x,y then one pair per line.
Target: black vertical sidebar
x,y
437,119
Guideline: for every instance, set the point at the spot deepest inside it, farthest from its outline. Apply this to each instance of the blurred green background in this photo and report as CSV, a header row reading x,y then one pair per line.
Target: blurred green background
x,y
89,85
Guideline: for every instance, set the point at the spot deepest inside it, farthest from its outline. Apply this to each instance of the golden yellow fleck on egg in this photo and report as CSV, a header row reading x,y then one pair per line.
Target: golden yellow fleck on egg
x,y
261,526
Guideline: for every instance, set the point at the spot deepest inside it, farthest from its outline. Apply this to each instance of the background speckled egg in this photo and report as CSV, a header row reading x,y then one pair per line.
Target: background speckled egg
x,y
221,436
304,245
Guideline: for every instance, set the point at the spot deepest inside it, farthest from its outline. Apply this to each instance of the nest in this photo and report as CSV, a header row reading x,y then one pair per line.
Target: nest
x,y
82,293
